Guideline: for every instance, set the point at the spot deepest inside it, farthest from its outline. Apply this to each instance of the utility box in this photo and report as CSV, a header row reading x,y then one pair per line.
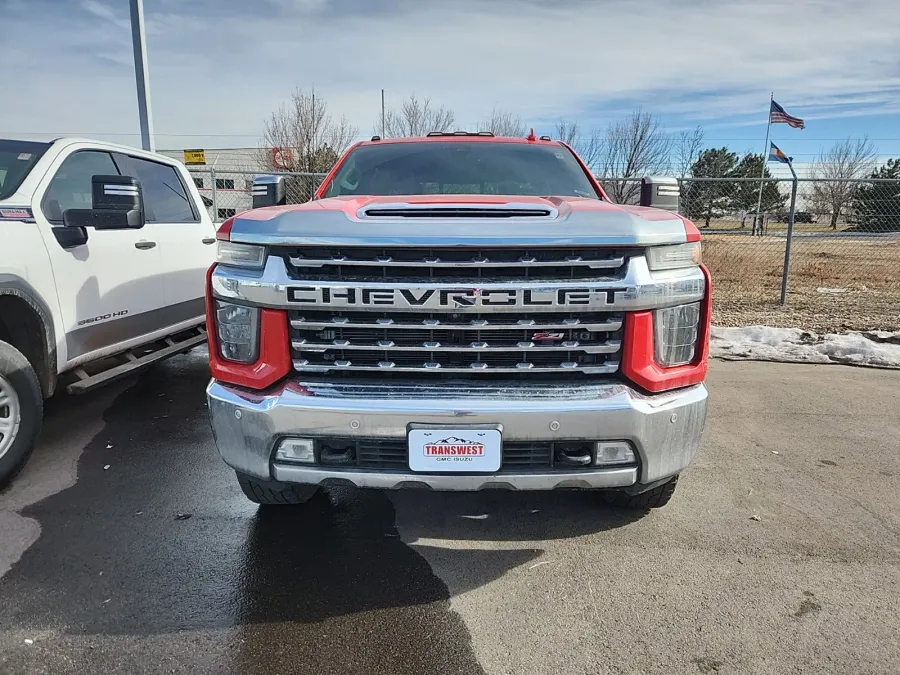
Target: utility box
x,y
660,193
269,191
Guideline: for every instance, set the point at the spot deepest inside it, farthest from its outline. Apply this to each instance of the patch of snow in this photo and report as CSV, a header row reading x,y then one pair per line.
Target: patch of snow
x,y
830,291
763,343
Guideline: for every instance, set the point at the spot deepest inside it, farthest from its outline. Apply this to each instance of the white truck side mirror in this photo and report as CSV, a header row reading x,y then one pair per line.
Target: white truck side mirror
x,y
269,191
660,193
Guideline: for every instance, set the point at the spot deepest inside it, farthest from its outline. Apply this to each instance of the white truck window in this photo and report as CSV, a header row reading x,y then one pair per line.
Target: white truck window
x,y
165,198
71,185
16,159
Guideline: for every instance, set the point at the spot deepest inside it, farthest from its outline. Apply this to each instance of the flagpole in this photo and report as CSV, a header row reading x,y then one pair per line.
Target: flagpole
x,y
790,233
762,172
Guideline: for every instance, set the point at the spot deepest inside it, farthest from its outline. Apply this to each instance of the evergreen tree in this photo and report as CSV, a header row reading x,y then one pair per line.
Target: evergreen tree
x,y
876,206
746,194
707,200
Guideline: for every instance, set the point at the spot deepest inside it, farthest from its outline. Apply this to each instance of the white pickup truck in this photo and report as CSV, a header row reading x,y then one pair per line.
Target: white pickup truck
x,y
103,256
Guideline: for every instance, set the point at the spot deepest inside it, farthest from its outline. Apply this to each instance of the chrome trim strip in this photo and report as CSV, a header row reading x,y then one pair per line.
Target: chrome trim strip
x,y
610,347
609,263
480,324
588,479
607,368
640,289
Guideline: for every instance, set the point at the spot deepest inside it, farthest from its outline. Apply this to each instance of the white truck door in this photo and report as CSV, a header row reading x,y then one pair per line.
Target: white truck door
x,y
109,288
186,234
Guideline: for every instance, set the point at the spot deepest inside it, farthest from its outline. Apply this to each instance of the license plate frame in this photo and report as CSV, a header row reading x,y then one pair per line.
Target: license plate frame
x,y
453,448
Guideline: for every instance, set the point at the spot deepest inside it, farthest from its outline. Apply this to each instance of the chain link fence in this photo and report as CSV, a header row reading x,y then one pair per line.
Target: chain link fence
x,y
844,267
227,192
844,254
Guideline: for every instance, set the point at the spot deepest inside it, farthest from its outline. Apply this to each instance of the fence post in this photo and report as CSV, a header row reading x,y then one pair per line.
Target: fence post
x,y
215,207
790,236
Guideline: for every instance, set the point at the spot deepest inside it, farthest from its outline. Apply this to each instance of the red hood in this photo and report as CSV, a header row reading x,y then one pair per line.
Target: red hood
x,y
344,221
564,205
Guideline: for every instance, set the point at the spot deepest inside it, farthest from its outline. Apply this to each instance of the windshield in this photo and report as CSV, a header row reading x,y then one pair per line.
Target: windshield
x,y
461,167
16,160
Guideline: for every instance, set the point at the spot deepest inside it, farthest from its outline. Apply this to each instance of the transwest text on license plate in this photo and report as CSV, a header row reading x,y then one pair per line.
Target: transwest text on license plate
x,y
441,449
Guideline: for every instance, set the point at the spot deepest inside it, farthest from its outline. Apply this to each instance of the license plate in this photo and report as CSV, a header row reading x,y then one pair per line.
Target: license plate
x,y
448,449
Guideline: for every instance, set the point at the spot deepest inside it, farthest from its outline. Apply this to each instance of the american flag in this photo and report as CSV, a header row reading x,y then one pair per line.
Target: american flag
x,y
777,115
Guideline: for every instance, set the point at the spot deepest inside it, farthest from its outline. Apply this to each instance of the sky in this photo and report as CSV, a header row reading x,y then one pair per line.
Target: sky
x,y
218,68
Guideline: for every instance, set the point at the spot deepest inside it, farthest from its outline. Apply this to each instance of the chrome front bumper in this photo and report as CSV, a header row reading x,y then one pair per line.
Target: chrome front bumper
x,y
664,428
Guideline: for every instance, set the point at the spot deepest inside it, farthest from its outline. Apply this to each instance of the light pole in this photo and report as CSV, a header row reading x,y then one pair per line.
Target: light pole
x,y
141,77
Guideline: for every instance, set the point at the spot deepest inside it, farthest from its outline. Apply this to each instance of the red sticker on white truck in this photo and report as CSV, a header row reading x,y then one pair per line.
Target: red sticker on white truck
x,y
16,213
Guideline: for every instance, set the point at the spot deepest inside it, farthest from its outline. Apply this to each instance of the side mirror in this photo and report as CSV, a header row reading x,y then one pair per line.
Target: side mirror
x,y
116,204
660,193
269,191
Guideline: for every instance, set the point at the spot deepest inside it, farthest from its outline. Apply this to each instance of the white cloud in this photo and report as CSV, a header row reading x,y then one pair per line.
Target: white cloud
x,y
220,68
106,13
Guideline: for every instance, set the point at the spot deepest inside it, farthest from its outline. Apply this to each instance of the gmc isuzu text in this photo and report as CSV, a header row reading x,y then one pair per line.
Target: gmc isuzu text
x,y
458,312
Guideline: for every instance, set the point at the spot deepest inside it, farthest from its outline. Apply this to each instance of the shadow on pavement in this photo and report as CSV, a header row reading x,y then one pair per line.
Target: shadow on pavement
x,y
501,515
324,587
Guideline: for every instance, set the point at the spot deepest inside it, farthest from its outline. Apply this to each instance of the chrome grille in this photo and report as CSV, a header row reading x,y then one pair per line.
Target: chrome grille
x,y
477,344
520,341
455,264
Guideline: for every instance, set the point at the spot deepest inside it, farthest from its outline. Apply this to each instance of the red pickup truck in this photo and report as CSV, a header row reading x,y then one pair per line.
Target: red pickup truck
x,y
458,312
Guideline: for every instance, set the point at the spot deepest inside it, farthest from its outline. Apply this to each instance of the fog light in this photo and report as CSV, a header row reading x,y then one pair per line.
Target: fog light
x,y
296,450
613,452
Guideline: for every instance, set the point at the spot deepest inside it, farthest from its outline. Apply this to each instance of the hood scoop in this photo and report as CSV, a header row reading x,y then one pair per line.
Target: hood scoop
x,y
456,210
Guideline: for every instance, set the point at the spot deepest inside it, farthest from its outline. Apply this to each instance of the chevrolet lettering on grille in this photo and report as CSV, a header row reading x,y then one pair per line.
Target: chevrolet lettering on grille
x,y
456,299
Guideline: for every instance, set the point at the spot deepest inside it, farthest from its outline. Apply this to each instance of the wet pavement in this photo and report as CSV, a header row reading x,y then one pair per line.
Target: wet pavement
x,y
131,550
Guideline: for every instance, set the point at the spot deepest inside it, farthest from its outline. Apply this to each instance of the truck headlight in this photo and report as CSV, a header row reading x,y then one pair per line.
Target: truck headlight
x,y
675,331
673,257
237,329
240,255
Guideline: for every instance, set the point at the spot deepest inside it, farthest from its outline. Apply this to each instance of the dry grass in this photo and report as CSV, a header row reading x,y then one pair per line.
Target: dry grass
x,y
732,225
835,284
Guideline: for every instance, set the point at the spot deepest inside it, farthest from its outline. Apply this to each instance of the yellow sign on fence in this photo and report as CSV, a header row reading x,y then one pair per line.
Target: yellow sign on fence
x,y
194,157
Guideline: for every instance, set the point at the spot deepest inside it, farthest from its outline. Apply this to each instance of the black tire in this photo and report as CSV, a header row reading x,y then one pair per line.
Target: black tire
x,y
651,499
271,493
15,370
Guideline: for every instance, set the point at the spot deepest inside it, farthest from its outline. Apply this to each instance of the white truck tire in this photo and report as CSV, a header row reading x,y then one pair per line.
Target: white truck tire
x,y
21,411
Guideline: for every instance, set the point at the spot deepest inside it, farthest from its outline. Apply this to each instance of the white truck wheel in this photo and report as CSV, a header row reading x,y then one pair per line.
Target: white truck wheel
x,y
21,410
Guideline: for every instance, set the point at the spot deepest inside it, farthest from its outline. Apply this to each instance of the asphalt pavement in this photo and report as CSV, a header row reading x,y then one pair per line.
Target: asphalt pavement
x,y
127,547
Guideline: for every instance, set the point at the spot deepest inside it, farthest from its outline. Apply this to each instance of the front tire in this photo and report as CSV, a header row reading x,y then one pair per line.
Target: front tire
x,y
651,499
21,411
272,493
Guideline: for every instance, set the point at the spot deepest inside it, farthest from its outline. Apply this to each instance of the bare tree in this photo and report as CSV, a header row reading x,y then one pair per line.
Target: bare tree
x,y
416,117
589,146
687,148
842,164
503,123
634,147
303,136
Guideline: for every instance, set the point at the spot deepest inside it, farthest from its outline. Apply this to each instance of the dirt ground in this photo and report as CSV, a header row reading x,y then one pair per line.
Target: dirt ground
x,y
836,283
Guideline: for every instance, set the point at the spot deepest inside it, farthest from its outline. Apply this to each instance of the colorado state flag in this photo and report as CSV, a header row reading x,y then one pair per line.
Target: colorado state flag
x,y
776,155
